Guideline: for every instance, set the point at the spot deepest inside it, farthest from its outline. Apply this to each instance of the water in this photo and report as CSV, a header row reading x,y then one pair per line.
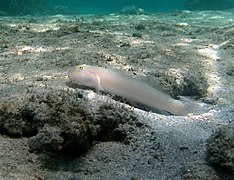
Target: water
x,y
42,7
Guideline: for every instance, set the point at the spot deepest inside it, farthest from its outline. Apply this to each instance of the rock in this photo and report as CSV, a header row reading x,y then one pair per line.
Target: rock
x,y
132,10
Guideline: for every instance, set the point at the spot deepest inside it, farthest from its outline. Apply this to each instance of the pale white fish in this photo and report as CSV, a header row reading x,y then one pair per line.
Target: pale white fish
x,y
117,83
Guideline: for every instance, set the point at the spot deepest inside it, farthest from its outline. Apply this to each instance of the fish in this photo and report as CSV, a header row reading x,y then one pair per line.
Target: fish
x,y
120,84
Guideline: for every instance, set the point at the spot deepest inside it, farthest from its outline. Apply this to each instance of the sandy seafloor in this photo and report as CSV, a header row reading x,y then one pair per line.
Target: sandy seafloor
x,y
174,48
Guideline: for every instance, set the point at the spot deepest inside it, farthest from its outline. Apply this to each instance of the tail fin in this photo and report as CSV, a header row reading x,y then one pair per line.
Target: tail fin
x,y
193,108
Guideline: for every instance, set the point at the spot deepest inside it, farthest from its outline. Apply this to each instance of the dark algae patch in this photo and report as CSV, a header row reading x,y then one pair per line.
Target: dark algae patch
x,y
220,150
61,122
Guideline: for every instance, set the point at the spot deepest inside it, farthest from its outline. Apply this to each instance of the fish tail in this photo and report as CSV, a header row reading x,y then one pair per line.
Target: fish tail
x,y
192,108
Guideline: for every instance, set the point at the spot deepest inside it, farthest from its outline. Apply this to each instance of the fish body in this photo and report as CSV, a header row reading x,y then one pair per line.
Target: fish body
x,y
117,83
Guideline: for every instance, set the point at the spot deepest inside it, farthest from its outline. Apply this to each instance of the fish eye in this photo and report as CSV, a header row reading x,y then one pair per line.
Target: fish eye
x,y
80,67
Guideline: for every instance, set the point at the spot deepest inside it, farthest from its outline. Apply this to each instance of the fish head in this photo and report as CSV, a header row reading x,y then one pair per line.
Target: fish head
x,y
85,76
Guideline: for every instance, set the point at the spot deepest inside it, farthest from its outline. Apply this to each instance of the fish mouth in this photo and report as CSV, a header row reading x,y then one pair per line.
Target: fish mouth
x,y
70,73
